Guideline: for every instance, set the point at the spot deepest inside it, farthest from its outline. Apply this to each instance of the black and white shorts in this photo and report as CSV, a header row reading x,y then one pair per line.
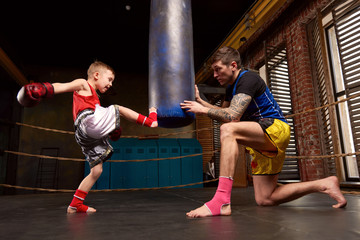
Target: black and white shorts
x,y
92,129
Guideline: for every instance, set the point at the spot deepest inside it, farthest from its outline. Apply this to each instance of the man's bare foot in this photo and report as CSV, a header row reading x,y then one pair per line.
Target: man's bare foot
x,y
332,188
89,210
203,211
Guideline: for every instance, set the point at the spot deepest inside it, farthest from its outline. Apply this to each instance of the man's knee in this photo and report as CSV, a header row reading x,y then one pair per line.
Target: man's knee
x,y
226,130
264,202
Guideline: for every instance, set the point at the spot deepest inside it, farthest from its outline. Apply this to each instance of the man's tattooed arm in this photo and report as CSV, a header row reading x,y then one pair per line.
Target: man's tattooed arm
x,y
233,113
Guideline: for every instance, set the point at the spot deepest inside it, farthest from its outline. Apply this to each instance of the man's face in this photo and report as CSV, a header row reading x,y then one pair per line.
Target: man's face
x,y
222,73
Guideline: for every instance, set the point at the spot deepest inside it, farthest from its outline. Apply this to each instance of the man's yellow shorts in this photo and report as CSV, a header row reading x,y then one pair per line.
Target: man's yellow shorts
x,y
271,163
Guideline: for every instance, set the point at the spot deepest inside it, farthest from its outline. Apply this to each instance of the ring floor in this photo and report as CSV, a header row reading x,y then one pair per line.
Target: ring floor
x,y
160,214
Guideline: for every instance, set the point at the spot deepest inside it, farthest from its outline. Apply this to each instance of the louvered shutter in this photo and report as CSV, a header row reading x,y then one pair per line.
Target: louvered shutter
x,y
321,94
279,85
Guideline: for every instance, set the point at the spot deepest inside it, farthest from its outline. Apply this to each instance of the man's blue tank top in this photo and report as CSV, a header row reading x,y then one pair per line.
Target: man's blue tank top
x,y
262,105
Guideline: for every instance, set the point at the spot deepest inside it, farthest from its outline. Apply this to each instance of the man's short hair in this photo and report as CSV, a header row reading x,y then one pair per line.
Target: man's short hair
x,y
227,55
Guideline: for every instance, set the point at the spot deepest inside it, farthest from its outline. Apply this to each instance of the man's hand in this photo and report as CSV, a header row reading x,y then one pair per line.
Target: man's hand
x,y
194,107
197,94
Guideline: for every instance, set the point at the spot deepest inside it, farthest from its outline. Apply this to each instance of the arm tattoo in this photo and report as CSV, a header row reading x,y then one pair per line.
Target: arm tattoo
x,y
234,112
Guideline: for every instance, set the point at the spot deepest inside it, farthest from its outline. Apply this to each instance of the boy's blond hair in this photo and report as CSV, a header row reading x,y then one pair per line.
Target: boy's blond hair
x,y
97,66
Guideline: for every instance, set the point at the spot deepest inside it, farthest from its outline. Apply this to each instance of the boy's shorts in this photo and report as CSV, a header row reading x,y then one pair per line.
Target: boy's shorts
x,y
91,132
271,163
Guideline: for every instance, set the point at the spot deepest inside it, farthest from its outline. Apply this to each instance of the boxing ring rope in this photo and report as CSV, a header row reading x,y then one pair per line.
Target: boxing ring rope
x,y
324,106
130,136
191,131
83,160
106,190
160,159
171,158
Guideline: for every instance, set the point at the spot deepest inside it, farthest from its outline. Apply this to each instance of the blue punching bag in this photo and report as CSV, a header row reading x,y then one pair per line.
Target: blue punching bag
x,y
171,63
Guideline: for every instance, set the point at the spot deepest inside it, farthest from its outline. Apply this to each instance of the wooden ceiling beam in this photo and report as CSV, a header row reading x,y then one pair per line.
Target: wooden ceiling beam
x,y
261,12
12,69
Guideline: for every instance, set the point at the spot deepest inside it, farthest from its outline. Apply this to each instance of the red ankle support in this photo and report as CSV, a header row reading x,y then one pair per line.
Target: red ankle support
x,y
147,121
78,200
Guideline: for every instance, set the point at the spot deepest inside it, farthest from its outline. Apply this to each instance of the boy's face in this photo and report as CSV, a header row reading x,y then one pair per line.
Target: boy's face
x,y
104,79
222,73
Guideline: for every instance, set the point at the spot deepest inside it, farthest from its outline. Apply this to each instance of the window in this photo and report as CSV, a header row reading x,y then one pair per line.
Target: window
x,y
343,39
336,69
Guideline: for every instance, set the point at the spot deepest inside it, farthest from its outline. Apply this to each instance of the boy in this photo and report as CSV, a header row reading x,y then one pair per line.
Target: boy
x,y
93,124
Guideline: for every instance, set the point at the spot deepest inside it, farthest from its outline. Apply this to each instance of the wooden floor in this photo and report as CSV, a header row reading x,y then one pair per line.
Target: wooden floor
x,y
160,214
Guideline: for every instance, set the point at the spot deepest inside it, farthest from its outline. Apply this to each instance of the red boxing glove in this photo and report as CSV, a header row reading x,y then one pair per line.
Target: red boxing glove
x,y
147,121
31,94
115,135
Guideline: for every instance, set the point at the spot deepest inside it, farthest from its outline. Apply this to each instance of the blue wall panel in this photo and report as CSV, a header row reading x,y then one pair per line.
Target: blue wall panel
x,y
191,167
169,170
148,174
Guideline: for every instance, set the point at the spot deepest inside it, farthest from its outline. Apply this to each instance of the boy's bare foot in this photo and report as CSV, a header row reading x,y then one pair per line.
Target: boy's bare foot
x,y
203,211
89,210
332,188
154,124
152,109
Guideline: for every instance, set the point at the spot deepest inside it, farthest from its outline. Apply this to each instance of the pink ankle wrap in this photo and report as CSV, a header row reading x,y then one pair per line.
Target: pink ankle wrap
x,y
222,196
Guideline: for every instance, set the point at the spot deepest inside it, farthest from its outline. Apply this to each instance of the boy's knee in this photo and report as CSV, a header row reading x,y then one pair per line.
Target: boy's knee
x,y
96,171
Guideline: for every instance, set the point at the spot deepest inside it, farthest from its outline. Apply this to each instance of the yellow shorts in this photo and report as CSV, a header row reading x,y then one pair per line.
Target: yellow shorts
x,y
271,163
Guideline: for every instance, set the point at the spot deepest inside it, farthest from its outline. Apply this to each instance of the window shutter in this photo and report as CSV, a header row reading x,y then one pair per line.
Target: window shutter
x,y
279,85
321,95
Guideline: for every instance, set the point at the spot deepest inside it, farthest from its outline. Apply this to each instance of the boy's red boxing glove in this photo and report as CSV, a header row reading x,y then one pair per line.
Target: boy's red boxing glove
x,y
116,134
31,94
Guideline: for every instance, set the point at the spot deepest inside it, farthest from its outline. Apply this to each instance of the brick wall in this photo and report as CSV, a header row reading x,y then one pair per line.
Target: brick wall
x,y
289,26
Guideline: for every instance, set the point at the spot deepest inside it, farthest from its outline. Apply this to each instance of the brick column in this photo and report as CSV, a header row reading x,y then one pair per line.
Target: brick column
x,y
303,99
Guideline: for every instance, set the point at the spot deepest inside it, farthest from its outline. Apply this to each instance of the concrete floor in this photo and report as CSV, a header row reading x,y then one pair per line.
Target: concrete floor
x,y
161,215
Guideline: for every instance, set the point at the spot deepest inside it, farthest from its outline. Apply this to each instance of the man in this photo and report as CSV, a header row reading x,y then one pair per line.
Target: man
x,y
252,118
